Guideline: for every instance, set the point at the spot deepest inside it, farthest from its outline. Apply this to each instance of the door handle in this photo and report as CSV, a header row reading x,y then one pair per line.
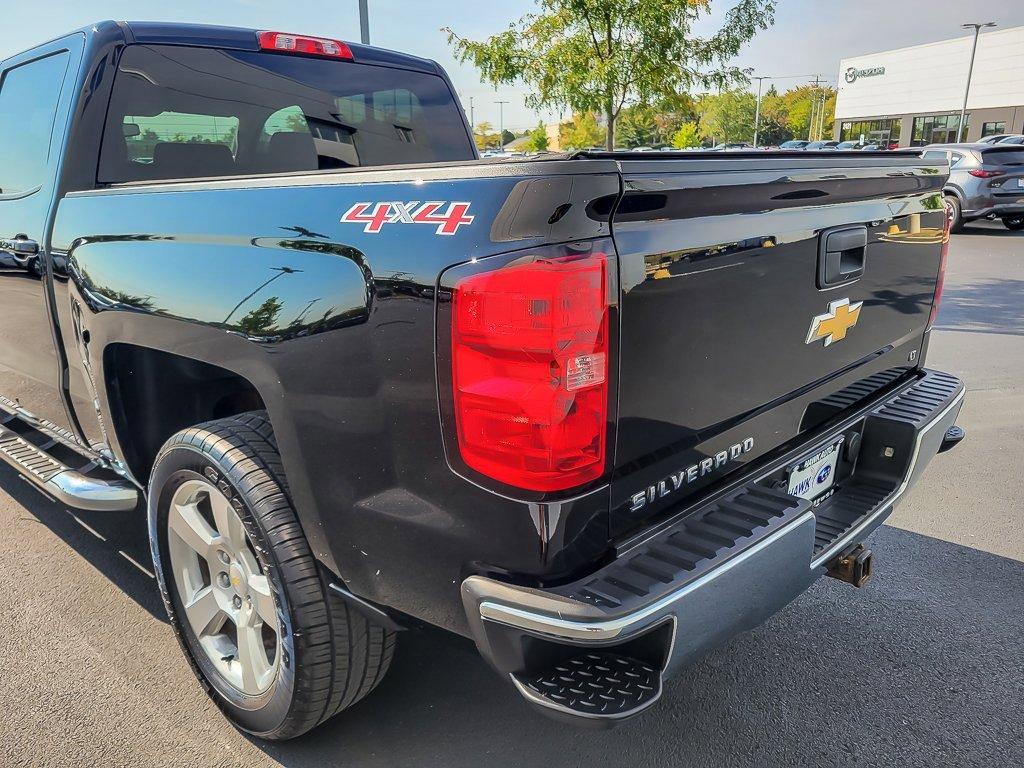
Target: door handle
x,y
20,246
841,255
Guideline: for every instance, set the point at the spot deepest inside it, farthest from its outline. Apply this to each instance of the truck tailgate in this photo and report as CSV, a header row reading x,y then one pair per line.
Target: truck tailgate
x,y
752,292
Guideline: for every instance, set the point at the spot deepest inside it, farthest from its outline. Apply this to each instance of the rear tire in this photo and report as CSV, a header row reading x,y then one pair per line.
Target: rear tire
x,y
1014,223
327,656
957,216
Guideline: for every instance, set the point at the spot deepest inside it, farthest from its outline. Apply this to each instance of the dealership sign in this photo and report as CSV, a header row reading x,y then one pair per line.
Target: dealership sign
x,y
853,73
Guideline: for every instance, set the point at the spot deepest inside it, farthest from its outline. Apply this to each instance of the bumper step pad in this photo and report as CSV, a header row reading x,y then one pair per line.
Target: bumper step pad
x,y
598,685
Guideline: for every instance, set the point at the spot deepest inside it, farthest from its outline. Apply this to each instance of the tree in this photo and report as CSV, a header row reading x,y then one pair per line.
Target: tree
x,y
687,136
601,55
728,116
637,127
485,136
263,319
798,105
507,136
580,133
538,141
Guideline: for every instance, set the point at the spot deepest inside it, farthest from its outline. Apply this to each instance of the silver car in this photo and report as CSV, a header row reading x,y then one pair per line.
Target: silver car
x,y
985,181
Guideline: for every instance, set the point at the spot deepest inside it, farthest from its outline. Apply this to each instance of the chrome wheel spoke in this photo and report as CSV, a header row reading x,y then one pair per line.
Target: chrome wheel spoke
x,y
227,601
204,613
229,524
252,658
263,601
188,524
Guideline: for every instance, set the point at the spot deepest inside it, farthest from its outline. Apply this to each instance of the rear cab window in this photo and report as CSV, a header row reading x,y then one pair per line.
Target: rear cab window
x,y
181,112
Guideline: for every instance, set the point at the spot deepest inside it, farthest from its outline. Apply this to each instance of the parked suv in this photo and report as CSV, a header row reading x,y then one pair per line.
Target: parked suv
x,y
985,181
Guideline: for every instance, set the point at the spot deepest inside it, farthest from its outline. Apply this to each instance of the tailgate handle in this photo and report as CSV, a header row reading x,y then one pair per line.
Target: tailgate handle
x,y
841,255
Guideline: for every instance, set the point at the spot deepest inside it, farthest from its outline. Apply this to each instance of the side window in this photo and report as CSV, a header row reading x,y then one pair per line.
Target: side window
x,y
28,109
935,154
954,159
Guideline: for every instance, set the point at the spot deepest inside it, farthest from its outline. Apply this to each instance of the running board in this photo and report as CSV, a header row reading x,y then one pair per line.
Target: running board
x,y
68,486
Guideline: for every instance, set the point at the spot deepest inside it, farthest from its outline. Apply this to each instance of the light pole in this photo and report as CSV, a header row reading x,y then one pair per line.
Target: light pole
x,y
813,126
364,22
970,71
501,123
471,123
281,272
757,108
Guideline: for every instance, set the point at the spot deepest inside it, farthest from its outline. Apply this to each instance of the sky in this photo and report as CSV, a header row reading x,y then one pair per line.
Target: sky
x,y
809,37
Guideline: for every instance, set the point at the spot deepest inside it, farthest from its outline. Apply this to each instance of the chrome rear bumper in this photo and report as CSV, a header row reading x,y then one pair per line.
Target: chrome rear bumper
x,y
728,565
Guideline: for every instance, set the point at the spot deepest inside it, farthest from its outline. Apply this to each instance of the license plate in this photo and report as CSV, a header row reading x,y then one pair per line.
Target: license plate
x,y
814,476
1020,183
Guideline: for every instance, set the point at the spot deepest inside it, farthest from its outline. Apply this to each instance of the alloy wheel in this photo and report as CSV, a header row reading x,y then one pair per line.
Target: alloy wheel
x,y
226,596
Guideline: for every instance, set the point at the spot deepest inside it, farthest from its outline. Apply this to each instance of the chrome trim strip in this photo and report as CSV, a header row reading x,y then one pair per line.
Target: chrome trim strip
x,y
612,628
851,535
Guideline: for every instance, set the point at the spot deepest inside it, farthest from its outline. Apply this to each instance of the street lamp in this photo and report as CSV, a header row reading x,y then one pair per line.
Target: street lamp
x,y
970,71
501,124
757,109
364,22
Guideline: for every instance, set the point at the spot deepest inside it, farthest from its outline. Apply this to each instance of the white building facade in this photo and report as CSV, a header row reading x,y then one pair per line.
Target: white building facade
x,y
913,96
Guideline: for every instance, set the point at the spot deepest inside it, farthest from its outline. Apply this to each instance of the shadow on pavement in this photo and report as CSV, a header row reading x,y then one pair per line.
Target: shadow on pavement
x,y
988,229
988,306
921,667
115,543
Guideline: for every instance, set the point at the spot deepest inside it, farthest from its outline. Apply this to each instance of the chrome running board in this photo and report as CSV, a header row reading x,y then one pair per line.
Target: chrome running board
x,y
68,486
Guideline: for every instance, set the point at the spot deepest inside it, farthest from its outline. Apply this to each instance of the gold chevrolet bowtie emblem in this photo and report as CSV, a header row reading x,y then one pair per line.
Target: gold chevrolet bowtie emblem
x,y
833,325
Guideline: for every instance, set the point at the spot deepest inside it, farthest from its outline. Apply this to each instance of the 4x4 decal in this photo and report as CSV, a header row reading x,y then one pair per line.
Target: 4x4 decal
x,y
376,215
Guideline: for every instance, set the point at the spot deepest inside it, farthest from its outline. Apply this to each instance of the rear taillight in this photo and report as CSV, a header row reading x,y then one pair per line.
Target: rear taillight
x,y
530,369
304,45
940,280
983,174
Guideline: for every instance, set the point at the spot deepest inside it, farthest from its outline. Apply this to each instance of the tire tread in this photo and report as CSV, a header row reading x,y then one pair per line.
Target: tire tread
x,y
341,656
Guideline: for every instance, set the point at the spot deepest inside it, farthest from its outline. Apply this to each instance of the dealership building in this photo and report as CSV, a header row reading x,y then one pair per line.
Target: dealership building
x,y
913,96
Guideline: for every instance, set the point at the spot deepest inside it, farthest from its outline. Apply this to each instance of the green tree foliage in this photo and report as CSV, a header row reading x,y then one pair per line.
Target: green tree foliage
x,y
538,139
601,55
797,105
637,127
670,113
485,136
686,137
507,136
581,132
262,319
728,116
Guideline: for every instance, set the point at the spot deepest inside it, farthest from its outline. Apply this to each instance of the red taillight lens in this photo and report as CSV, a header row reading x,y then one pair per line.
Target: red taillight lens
x,y
940,280
981,174
530,370
282,42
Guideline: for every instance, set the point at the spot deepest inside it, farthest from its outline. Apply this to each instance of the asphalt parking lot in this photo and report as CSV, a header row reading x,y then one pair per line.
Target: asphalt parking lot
x,y
922,667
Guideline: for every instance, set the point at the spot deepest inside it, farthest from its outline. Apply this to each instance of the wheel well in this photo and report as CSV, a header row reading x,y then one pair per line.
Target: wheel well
x,y
153,394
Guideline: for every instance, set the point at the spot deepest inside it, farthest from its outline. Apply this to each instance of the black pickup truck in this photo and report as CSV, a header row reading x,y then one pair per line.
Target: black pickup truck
x,y
598,412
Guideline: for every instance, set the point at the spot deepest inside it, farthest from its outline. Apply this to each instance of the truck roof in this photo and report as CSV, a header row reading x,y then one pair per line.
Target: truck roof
x,y
241,38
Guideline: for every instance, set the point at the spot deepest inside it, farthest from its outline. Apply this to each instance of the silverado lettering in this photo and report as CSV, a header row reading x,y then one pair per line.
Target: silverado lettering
x,y
676,480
